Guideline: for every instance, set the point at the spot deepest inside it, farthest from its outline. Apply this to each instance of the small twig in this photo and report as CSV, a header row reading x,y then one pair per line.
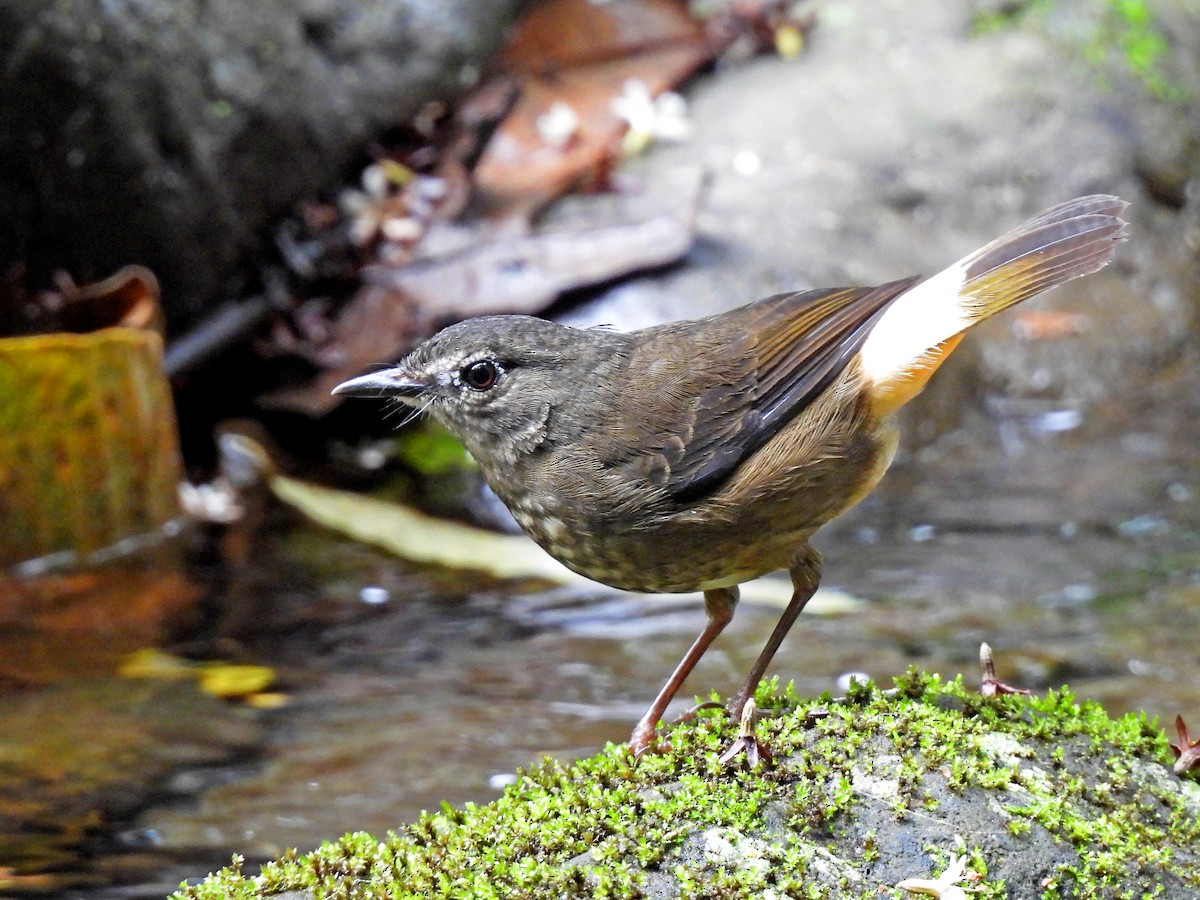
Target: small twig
x,y
228,325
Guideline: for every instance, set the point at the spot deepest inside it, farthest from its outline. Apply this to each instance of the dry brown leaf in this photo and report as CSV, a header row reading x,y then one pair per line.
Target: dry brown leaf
x,y
1049,325
581,54
523,275
56,627
127,299
514,275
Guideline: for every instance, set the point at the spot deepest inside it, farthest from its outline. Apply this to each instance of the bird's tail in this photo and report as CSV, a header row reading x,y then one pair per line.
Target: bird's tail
x,y
921,326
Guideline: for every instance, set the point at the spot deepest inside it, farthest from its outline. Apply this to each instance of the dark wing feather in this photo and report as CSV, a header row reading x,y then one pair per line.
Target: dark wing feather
x,y
795,346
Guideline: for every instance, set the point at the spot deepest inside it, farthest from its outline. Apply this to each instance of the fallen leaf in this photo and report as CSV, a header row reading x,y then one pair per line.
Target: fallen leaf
x,y
580,55
267,700
415,536
527,274
421,538
126,299
151,662
231,680
376,326
945,886
1049,325
1187,751
56,627
220,679
431,450
399,305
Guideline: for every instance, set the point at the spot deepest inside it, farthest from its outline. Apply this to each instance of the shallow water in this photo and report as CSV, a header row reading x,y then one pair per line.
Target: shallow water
x,y
1065,534
1074,553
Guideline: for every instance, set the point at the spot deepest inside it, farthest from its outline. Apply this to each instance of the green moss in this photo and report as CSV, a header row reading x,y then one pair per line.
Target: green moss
x,y
819,822
1120,34
429,449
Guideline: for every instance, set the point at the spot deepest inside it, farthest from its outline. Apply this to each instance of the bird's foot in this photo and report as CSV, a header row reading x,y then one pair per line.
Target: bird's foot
x,y
1187,751
646,739
747,742
990,685
692,714
994,687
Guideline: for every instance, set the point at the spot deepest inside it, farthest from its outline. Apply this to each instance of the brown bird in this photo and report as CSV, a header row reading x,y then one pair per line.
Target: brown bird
x,y
698,455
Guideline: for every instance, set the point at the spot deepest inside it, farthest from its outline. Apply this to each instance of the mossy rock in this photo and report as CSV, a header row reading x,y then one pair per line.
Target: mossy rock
x,y
1044,797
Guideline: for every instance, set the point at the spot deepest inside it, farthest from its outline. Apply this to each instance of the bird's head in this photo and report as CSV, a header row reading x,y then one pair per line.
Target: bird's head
x,y
495,382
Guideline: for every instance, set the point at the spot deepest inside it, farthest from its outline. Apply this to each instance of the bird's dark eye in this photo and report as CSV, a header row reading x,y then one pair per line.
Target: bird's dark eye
x,y
481,375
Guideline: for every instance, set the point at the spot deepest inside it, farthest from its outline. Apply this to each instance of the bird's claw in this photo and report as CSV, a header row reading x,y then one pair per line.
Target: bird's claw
x,y
646,739
747,742
691,714
990,685
1187,751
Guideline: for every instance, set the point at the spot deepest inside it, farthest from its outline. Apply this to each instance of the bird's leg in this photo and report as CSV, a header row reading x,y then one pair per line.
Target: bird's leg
x,y
719,604
806,575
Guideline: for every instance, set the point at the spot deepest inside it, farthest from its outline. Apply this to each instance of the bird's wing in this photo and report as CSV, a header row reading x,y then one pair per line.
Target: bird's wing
x,y
777,358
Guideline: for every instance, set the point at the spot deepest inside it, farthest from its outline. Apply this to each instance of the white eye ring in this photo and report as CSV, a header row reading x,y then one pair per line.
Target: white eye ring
x,y
480,375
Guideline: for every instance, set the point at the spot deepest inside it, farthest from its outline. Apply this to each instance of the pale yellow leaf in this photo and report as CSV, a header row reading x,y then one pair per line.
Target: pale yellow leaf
x,y
231,680
221,679
413,535
267,700
152,663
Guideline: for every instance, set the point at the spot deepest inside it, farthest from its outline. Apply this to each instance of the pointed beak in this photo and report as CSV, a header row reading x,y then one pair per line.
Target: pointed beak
x,y
397,383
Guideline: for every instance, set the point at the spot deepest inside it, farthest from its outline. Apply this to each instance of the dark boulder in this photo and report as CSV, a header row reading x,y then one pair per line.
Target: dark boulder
x,y
173,134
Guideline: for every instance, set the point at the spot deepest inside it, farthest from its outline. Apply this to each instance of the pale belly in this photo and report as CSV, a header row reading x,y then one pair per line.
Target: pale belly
x,y
721,542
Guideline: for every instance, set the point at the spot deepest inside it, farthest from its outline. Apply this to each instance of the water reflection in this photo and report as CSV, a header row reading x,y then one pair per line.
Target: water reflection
x,y
1076,558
